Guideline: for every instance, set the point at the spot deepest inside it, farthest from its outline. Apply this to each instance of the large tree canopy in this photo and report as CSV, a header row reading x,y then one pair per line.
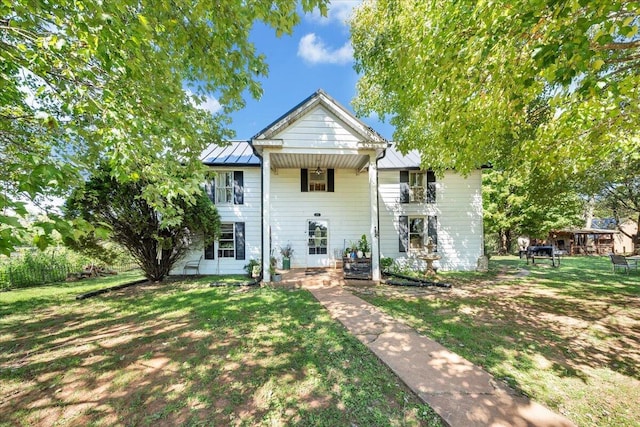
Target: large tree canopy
x,y
461,80
513,207
120,80
119,212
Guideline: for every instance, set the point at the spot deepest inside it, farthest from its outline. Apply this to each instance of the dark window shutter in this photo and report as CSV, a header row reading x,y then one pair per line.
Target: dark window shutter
x,y
239,232
431,187
404,186
210,188
304,180
403,232
209,252
432,229
238,187
330,180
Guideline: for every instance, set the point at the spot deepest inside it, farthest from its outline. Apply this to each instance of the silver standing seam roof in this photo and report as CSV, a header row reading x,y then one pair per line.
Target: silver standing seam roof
x,y
234,153
240,153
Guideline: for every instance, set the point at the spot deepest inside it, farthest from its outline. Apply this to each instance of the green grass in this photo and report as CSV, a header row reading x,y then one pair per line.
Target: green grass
x,y
184,353
569,337
24,300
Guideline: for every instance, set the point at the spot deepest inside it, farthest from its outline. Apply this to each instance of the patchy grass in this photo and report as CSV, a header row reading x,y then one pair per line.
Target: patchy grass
x,y
569,337
183,353
19,301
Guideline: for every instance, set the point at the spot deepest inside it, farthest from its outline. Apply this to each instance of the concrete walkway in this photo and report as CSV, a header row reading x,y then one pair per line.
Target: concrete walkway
x,y
463,394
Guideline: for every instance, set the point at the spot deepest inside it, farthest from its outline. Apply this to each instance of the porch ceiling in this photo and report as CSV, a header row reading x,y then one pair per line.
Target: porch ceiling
x,y
312,161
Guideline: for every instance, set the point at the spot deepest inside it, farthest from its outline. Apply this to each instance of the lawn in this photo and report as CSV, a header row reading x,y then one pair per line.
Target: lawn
x,y
569,337
184,353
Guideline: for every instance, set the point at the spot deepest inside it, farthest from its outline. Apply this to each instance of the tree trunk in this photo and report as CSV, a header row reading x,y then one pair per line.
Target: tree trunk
x,y
505,242
588,214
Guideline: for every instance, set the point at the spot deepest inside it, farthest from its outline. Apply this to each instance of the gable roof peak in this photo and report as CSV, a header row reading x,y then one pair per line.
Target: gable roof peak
x,y
319,97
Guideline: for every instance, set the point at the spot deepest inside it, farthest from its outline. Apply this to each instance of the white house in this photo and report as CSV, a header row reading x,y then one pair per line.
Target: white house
x,y
318,178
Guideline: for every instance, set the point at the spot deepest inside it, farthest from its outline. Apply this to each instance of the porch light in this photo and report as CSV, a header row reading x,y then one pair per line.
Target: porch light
x,y
318,171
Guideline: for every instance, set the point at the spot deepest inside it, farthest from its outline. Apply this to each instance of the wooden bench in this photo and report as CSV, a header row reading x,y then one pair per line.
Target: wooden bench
x,y
543,252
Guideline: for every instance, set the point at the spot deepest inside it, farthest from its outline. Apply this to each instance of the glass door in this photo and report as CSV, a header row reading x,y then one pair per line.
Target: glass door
x,y
318,243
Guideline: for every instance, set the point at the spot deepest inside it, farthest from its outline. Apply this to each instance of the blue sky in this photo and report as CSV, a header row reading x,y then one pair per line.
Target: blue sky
x,y
317,56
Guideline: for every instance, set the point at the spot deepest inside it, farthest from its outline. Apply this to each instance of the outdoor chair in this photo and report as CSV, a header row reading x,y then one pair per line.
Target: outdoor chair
x,y
192,265
618,261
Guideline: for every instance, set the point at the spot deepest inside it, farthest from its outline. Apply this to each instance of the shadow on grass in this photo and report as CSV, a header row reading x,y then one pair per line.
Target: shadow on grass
x,y
559,334
183,353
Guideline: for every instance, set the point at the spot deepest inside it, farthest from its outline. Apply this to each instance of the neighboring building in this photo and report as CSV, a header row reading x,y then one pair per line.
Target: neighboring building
x,y
623,244
583,241
318,178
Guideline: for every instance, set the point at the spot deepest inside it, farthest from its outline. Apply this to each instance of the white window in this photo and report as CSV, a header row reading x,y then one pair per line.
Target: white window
x,y
318,180
416,233
416,186
226,242
224,188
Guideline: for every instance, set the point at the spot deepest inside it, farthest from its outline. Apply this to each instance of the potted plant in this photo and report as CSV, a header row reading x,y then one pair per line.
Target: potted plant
x,y
287,253
253,268
353,249
363,246
275,276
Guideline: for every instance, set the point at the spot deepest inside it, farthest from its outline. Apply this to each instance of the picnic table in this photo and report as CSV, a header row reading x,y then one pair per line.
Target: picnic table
x,y
543,252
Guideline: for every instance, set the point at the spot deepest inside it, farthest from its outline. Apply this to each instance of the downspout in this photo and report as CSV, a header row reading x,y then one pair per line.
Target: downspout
x,y
261,202
384,153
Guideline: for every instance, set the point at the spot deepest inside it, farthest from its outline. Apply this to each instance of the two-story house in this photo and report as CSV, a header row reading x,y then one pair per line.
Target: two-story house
x,y
318,179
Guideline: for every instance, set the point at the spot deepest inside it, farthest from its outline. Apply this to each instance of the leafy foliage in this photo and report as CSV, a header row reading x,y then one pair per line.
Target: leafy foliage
x,y
513,206
617,186
120,212
460,80
121,80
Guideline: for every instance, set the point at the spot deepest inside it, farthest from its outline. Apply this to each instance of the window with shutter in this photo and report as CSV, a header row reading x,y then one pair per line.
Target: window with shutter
x,y
238,187
240,241
432,230
226,241
431,187
210,251
403,233
210,189
317,180
416,186
404,186
224,188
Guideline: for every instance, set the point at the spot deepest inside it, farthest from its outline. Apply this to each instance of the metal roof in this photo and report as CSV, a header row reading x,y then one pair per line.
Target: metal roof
x,y
394,159
234,153
240,153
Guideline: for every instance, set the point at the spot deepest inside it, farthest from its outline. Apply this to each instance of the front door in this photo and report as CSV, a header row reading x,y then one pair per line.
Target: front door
x,y
317,243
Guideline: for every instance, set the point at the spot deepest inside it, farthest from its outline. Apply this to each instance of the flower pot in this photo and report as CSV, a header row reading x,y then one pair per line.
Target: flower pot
x,y
286,263
255,272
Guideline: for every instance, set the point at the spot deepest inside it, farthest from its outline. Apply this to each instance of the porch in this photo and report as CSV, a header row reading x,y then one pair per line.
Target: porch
x,y
305,277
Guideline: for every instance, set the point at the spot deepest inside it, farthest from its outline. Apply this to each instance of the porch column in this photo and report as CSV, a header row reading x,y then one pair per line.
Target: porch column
x,y
266,216
373,227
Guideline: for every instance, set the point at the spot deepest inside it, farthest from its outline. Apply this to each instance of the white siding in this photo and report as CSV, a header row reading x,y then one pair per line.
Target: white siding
x,y
346,210
458,208
319,129
250,214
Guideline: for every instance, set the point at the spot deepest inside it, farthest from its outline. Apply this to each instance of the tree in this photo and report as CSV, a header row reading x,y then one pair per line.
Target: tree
x,y
616,186
121,80
514,206
119,211
458,80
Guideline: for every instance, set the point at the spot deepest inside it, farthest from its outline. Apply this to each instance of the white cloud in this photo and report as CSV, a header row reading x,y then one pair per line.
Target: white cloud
x,y
209,103
339,11
313,50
